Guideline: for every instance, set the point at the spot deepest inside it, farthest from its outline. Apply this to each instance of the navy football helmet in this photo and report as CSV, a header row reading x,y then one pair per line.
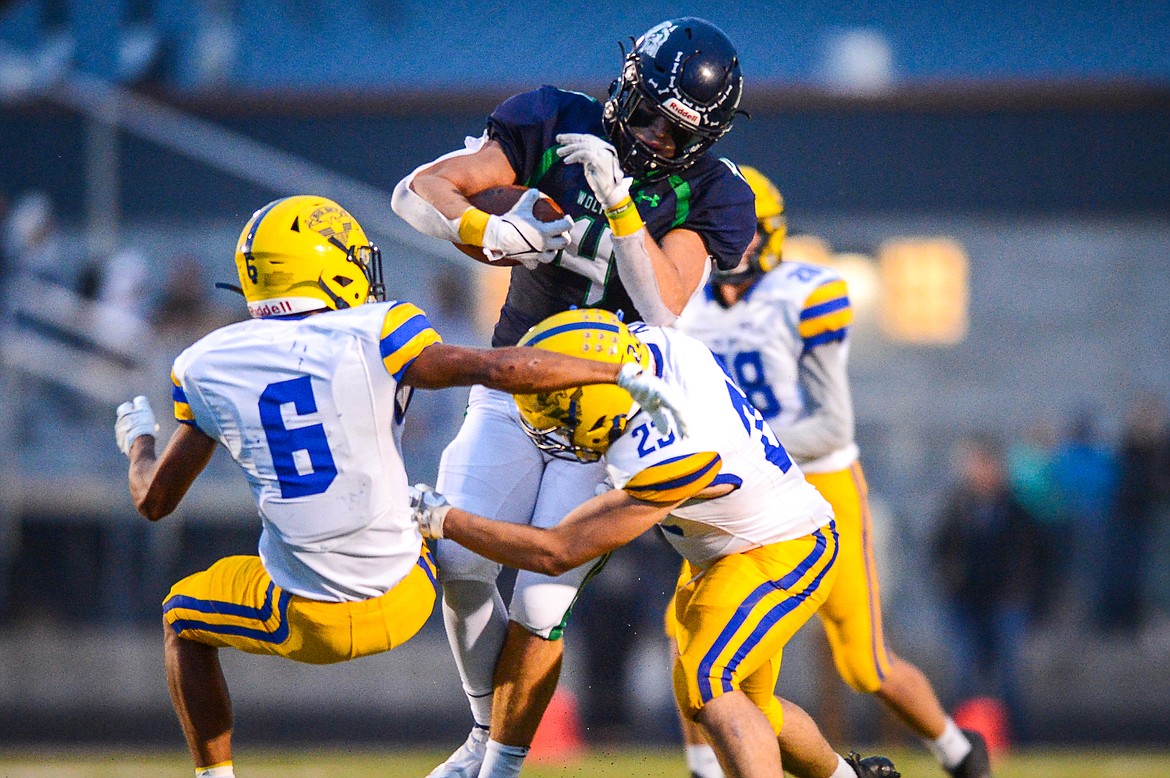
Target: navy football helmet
x,y
683,78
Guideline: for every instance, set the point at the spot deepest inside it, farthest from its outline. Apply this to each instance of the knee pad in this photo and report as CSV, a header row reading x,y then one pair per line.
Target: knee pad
x,y
542,607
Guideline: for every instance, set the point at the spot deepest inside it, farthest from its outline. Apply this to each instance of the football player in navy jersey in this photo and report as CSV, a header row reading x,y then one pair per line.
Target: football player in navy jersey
x,y
647,208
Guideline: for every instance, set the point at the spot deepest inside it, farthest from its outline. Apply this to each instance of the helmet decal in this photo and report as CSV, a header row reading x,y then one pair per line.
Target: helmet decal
x,y
685,71
652,40
306,253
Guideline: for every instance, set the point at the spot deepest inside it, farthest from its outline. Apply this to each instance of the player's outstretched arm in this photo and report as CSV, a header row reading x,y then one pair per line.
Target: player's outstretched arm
x,y
596,527
519,370
157,485
515,370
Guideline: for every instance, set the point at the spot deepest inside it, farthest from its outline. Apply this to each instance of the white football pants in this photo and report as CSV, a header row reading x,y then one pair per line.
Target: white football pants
x,y
494,470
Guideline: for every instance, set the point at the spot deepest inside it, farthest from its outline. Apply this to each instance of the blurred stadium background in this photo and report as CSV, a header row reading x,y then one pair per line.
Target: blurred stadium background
x,y
991,177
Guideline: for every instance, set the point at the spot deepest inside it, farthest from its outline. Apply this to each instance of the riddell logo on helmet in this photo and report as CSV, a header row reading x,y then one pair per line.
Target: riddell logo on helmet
x,y
277,308
689,115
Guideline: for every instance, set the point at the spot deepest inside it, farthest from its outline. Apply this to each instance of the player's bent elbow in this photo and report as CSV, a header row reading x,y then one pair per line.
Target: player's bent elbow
x,y
555,562
154,507
398,198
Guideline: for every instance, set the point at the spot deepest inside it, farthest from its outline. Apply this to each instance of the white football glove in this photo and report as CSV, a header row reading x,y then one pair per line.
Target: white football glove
x,y
519,235
135,418
655,397
600,161
428,509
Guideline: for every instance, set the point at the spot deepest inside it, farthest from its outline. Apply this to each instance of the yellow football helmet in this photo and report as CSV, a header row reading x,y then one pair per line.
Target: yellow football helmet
x,y
306,253
581,423
771,228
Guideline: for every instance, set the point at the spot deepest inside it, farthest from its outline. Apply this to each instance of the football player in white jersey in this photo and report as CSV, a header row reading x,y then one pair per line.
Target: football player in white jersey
x,y
309,398
759,542
781,330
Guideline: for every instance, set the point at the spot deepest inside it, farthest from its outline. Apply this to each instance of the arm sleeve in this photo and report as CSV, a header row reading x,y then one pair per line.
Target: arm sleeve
x,y
636,271
419,213
824,377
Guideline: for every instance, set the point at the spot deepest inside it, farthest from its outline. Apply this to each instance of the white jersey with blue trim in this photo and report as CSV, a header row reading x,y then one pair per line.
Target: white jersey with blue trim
x,y
728,446
760,340
311,410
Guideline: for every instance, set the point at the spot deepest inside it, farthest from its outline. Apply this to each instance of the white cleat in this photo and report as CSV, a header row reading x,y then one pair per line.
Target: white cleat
x,y
466,760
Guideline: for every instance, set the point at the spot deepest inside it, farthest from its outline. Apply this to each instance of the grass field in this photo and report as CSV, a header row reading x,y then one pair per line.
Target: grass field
x,y
622,764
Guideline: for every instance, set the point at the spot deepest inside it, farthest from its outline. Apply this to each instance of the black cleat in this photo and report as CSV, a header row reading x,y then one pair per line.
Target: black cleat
x,y
871,766
976,764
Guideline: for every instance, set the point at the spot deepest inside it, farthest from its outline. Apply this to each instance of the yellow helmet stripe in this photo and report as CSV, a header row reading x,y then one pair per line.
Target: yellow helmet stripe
x,y
675,479
405,333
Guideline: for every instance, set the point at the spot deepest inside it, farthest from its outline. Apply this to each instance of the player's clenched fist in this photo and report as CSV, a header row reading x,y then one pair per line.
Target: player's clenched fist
x,y
135,418
599,160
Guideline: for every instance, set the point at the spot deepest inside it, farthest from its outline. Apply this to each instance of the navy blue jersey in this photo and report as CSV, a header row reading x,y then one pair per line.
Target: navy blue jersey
x,y
708,197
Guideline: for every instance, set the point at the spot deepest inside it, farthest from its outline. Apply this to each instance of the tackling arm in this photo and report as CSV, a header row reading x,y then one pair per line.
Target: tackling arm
x,y
600,525
823,376
515,370
158,485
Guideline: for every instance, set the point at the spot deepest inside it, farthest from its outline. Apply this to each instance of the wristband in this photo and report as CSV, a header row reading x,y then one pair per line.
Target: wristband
x,y
472,225
624,218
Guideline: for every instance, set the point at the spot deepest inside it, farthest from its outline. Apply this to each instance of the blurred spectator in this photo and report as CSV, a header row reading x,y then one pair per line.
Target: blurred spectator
x,y
1143,503
32,243
181,312
1085,471
1031,476
124,298
984,545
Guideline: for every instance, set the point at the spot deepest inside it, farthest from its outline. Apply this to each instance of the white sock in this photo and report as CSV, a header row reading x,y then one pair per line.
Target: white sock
x,y
476,621
502,761
843,769
951,747
218,771
702,762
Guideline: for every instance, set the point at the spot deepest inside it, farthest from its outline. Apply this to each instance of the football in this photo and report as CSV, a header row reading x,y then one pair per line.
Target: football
x,y
499,200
